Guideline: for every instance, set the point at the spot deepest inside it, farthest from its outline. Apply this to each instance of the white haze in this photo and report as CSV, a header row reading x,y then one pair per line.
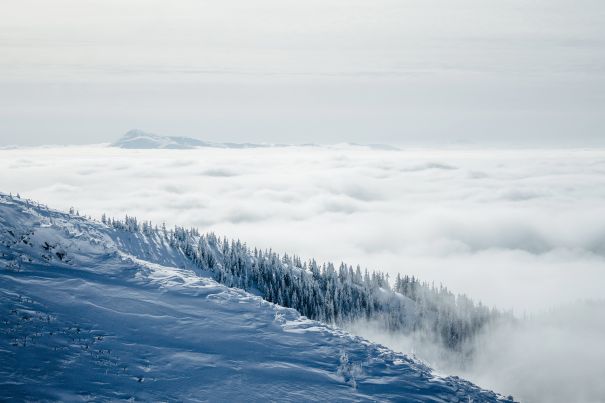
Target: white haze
x,y
518,229
554,357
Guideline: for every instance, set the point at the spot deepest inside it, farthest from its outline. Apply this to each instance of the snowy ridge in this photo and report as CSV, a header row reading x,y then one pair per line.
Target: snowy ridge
x,y
138,139
92,312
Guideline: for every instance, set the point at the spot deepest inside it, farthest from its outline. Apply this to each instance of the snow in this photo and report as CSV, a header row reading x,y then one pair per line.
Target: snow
x,y
90,312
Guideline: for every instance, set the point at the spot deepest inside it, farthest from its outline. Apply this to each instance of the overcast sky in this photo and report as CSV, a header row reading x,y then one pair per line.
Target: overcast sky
x,y
503,72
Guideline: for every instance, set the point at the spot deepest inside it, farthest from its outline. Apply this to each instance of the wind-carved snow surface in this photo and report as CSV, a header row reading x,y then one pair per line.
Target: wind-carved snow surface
x,y
91,312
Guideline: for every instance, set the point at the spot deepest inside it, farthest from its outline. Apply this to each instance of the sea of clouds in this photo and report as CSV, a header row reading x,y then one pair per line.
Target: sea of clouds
x,y
515,229
552,357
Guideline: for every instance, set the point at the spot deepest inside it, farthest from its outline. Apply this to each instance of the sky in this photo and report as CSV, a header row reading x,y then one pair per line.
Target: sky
x,y
420,72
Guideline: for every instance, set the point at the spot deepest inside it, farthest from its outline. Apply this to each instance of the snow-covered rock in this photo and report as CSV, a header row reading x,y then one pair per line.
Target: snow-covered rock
x,y
94,313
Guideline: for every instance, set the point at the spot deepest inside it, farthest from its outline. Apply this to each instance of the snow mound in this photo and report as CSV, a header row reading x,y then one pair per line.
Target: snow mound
x,y
91,312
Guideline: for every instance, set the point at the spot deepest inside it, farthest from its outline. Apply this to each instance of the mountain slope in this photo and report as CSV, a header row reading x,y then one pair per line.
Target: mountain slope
x,y
93,312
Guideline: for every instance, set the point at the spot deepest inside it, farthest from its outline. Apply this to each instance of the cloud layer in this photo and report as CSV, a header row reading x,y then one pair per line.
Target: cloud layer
x,y
518,229
554,357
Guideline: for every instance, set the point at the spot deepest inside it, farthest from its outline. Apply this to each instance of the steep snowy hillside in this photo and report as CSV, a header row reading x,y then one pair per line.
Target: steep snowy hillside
x,y
94,312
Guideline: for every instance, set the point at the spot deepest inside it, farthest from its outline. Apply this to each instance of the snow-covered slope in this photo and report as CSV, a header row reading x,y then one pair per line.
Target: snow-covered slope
x,y
91,312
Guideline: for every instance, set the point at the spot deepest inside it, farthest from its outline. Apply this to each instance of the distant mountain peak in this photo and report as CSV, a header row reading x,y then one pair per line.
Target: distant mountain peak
x,y
139,139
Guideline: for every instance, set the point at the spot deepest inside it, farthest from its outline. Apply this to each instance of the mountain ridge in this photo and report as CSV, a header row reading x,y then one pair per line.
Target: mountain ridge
x,y
118,315
139,139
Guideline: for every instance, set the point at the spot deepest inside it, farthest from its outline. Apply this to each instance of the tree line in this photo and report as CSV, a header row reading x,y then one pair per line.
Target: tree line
x,y
325,292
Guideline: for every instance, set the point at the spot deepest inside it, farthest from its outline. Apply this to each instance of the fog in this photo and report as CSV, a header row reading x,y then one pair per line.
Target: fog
x,y
517,229
556,356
